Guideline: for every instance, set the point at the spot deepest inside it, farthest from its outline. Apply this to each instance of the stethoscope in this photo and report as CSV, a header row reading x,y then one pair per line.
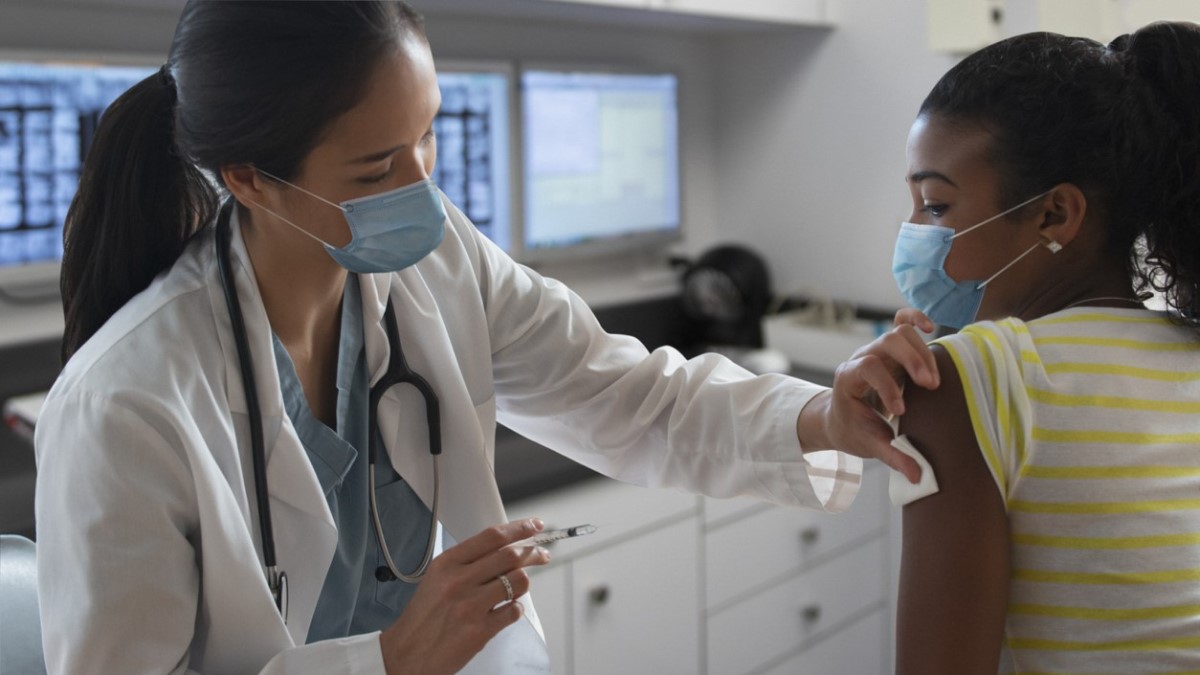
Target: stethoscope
x,y
398,372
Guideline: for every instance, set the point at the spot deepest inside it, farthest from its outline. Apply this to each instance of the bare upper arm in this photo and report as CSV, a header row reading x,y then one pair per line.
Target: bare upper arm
x,y
955,565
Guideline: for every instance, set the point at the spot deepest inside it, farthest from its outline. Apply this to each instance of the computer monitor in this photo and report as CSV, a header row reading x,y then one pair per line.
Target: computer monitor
x,y
474,132
600,161
49,109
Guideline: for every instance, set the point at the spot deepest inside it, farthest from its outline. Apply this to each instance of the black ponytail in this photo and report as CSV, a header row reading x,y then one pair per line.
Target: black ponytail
x,y
247,82
1120,121
138,204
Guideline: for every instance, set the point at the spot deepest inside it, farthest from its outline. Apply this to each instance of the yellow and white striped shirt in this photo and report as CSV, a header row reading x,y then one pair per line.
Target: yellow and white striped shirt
x,y
1089,421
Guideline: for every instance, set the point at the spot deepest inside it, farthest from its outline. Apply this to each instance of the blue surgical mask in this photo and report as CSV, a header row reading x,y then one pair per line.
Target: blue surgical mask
x,y
388,231
919,267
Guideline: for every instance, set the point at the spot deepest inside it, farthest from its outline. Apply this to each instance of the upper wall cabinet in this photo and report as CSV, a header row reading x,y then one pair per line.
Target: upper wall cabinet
x,y
640,4
702,15
802,12
962,26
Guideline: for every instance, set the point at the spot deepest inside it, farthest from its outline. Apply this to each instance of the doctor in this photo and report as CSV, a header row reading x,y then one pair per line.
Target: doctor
x,y
237,467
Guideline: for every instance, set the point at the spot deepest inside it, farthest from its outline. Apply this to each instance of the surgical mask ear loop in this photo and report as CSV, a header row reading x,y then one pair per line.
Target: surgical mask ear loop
x,y
992,278
980,224
1054,247
339,206
299,229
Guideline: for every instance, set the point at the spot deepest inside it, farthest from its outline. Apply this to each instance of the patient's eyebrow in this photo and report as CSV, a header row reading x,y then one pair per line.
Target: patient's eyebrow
x,y
919,176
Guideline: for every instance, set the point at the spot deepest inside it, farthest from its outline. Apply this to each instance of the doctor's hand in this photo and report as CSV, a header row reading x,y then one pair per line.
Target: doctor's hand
x,y
460,603
872,380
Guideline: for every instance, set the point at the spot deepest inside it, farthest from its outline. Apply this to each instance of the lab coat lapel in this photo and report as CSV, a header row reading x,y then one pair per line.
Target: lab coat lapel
x,y
305,534
470,500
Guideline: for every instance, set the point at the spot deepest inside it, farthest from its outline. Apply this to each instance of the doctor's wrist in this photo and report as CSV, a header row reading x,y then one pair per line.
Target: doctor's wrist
x,y
812,429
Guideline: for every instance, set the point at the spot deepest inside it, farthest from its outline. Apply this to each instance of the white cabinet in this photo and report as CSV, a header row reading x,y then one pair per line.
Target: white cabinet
x,y
962,26
625,599
780,581
803,12
786,618
673,583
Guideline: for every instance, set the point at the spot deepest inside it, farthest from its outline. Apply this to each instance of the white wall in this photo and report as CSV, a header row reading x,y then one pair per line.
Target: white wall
x,y
810,138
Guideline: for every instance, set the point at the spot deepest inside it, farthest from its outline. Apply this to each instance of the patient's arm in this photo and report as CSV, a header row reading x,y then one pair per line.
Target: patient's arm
x,y
954,575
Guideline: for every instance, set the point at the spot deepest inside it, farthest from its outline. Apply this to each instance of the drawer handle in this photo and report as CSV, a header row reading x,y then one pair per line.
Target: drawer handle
x,y
599,595
809,536
811,614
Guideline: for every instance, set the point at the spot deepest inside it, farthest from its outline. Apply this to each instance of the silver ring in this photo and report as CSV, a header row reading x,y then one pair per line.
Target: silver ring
x,y
507,586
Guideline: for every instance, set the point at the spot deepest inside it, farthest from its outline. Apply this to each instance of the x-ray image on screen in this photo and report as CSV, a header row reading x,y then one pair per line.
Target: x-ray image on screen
x,y
48,114
473,132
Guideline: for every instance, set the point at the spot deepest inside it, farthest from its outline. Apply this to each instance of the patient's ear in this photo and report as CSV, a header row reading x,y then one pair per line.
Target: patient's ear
x,y
1064,210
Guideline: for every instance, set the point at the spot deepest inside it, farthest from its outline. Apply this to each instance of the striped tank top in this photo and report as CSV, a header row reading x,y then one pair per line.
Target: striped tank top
x,y
1089,422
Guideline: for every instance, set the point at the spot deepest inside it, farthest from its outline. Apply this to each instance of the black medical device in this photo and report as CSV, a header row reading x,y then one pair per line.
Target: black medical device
x,y
398,372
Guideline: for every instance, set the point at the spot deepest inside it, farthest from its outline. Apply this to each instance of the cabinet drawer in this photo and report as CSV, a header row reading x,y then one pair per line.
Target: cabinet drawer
x,y
750,552
751,634
858,650
635,607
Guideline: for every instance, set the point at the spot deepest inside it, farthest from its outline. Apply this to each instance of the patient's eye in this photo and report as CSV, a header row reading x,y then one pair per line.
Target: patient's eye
x,y
936,210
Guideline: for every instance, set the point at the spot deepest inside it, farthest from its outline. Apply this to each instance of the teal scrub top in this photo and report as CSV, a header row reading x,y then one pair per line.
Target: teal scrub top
x,y
352,600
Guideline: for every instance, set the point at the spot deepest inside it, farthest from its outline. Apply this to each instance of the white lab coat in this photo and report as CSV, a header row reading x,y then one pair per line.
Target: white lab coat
x,y
149,557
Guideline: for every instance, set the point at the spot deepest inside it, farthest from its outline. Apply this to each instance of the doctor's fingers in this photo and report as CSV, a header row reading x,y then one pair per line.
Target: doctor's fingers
x,y
881,449
903,350
868,380
495,592
490,540
913,317
860,430
508,560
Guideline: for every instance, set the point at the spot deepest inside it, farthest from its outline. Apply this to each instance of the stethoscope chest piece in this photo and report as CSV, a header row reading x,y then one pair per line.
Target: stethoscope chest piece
x,y
278,581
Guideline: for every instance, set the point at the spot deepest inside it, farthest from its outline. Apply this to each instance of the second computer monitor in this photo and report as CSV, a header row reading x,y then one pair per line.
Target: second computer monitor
x,y
600,161
474,135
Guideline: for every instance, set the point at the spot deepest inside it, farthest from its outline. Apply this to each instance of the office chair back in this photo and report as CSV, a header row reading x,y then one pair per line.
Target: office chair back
x,y
20,623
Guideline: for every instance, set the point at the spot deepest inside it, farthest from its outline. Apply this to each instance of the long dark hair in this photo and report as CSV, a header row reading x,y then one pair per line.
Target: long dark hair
x,y
1120,121
245,82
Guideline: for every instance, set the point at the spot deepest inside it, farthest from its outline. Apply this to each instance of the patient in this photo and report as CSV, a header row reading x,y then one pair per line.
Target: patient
x,y
1054,180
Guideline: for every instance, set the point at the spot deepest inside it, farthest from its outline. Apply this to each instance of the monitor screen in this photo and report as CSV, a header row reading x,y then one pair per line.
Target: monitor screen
x,y
474,135
601,160
48,114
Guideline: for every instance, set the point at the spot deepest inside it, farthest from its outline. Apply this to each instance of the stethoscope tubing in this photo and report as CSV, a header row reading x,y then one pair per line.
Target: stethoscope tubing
x,y
275,579
399,372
